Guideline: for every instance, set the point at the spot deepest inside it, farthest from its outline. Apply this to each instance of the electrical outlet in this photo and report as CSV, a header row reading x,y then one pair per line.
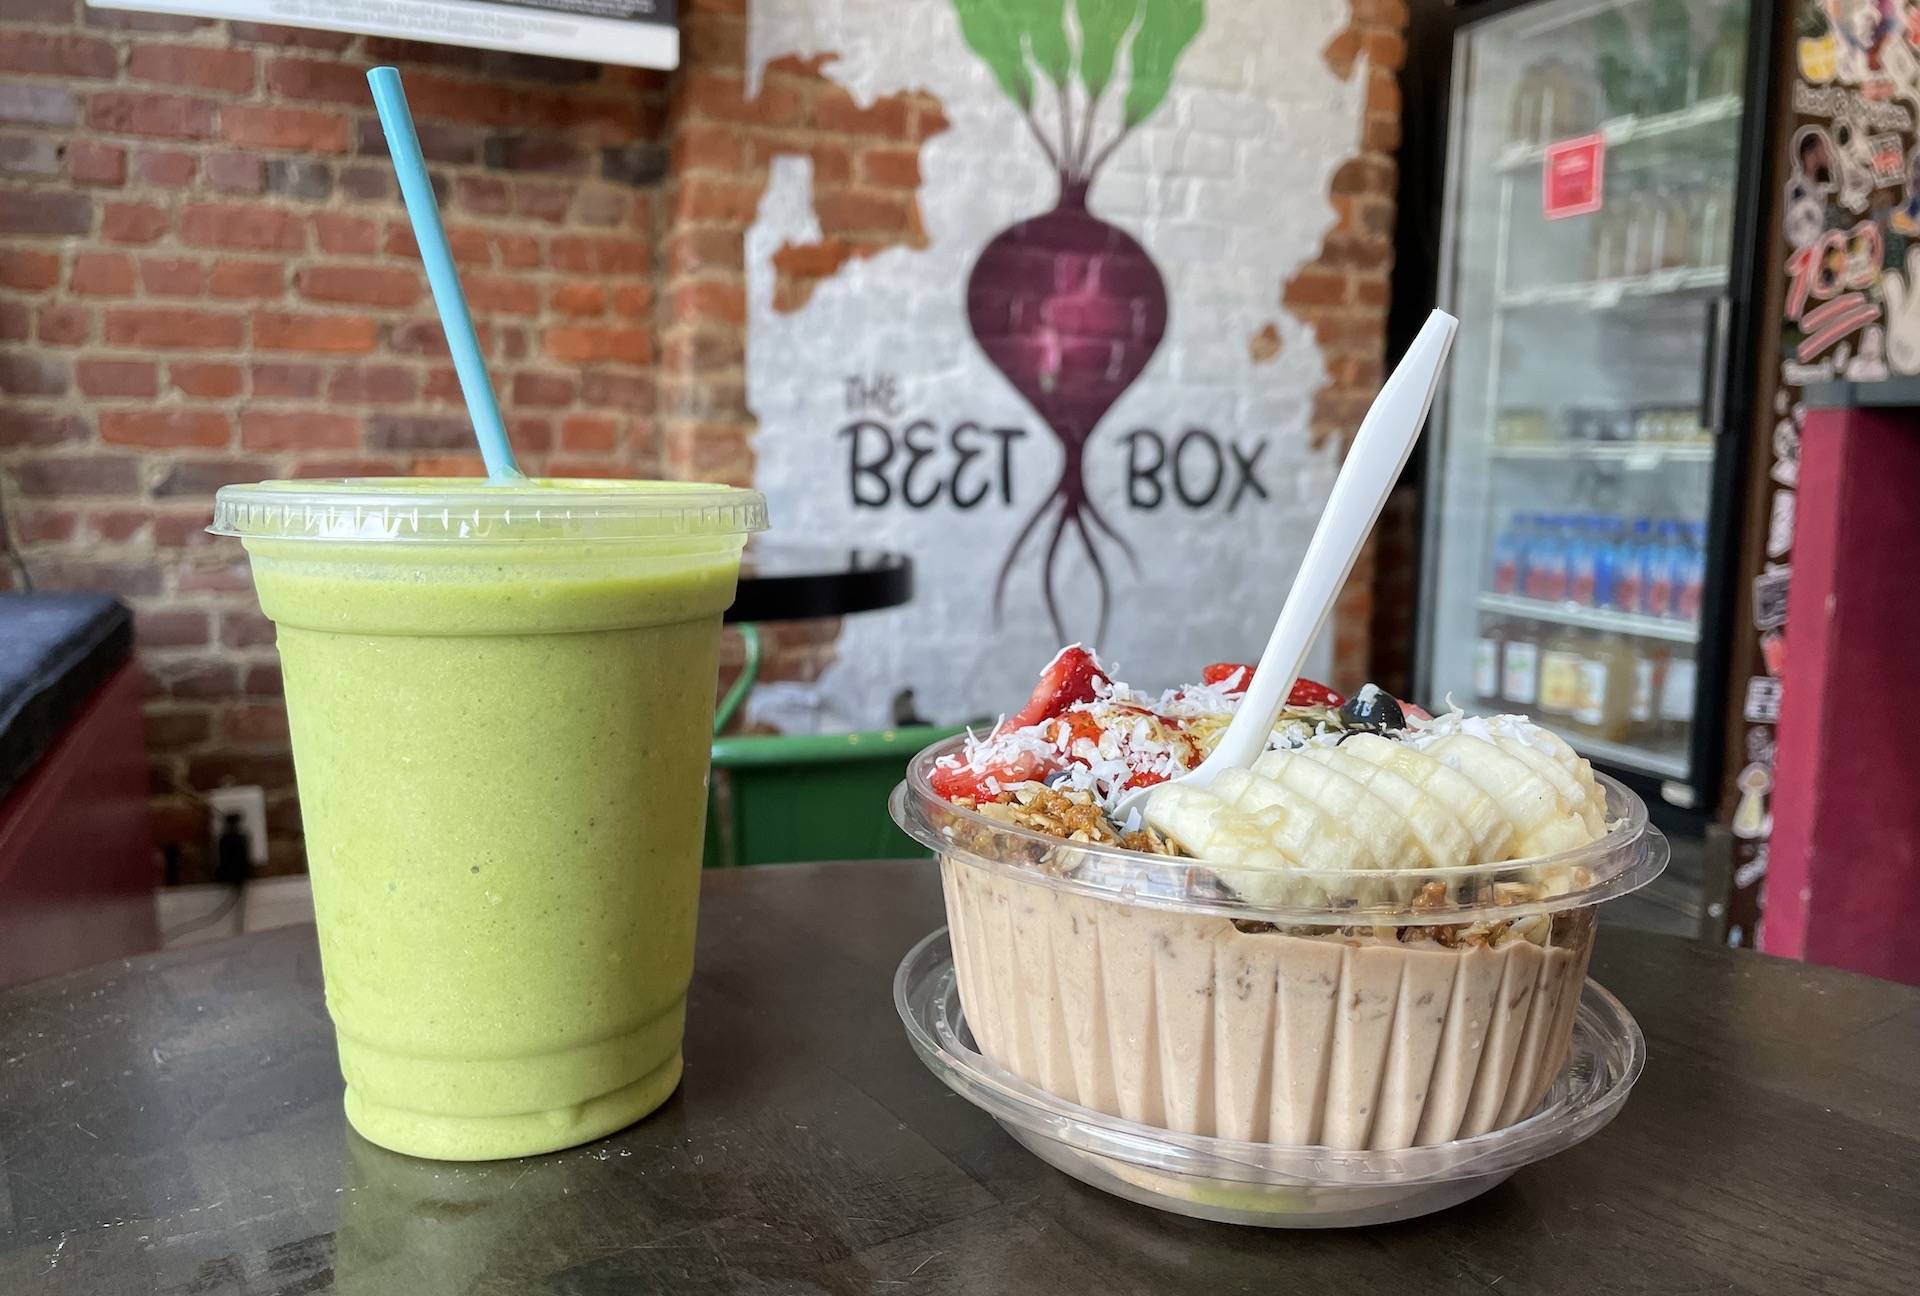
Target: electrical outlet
x,y
250,803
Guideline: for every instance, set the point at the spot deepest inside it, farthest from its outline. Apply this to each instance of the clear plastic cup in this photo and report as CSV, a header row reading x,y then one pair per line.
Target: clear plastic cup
x,y
1375,1009
501,702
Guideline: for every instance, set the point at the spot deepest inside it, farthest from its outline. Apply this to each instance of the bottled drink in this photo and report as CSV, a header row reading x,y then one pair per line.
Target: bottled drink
x,y
1607,255
1547,559
1670,72
1657,600
1629,567
1507,550
1713,239
1533,554
1676,697
1527,116
1553,571
1560,665
1526,538
1560,576
1645,221
1582,565
1606,680
1690,571
1675,231
1486,662
1606,541
1726,62
1520,666
1643,695
1520,427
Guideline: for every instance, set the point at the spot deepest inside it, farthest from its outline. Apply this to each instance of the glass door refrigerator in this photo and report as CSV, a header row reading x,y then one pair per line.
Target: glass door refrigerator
x,y
1596,181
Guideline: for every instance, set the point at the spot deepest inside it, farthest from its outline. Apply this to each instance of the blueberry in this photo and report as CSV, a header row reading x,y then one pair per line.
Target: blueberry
x,y
1372,709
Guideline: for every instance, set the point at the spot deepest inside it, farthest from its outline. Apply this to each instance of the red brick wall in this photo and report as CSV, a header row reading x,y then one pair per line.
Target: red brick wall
x,y
1342,295
206,276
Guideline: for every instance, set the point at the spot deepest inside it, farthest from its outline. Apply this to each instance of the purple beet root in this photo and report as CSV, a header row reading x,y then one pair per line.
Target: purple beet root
x,y
1070,309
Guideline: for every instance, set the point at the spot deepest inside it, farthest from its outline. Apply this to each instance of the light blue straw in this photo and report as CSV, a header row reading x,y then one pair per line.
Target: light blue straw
x,y
411,169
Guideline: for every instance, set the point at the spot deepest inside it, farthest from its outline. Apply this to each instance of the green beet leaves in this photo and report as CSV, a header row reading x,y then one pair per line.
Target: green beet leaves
x,y
1167,27
1022,41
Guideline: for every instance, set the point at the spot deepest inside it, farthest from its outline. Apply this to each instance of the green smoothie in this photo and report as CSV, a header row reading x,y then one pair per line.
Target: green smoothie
x,y
502,749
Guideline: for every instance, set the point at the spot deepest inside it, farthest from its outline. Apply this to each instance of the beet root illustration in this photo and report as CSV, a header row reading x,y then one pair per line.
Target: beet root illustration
x,y
1069,308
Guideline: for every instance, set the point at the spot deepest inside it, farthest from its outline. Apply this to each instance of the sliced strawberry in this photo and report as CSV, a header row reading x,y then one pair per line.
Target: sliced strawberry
x,y
1070,728
959,780
1221,672
1305,692
1067,679
1413,710
1308,692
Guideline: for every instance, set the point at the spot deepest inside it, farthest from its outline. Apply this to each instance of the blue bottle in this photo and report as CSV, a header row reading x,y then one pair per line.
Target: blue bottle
x,y
1606,545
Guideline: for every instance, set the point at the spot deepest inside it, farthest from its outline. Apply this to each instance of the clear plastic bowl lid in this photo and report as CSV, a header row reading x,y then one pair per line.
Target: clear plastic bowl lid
x,y
470,510
1266,1183
1629,855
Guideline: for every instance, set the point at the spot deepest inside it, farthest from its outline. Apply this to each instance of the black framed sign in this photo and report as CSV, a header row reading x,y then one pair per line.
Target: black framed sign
x,y
641,33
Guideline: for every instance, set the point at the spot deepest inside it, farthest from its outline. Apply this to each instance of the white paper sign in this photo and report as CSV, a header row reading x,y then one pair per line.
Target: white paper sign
x,y
636,32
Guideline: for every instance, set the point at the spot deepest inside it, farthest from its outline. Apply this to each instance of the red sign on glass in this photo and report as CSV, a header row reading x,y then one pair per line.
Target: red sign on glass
x,y
1570,179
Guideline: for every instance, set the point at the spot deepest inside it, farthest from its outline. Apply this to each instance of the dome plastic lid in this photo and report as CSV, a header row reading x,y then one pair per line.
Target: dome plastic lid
x,y
468,510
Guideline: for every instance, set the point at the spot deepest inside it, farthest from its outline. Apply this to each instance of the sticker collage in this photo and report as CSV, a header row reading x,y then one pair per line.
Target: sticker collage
x,y
1850,220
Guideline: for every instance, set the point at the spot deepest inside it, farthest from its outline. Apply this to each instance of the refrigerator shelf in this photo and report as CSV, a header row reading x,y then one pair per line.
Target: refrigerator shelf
x,y
1605,294
1622,131
1626,623
1627,756
1634,454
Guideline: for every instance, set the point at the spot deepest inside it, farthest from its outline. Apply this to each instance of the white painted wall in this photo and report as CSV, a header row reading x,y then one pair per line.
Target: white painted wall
x,y
1226,186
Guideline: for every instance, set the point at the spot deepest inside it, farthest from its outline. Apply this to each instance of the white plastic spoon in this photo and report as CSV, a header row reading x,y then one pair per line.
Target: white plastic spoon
x,y
1379,452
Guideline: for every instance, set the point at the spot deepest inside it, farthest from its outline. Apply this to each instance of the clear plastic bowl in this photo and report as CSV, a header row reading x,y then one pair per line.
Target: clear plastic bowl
x,y
1264,1184
1375,1010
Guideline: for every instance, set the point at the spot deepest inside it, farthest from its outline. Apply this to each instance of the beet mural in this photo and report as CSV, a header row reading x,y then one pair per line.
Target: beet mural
x,y
1069,307
1067,384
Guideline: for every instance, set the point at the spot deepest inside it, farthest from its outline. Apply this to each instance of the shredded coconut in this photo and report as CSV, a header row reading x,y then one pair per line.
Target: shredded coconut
x,y
1123,737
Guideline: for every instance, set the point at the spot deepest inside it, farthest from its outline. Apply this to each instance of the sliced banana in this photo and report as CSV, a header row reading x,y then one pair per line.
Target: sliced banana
x,y
1300,824
1542,823
1489,829
1245,841
1183,814
1307,831
1596,795
1239,845
1209,829
1437,830
1572,793
1385,841
1551,744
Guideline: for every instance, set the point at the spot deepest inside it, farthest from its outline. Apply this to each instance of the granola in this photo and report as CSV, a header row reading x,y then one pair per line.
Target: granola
x,y
1071,814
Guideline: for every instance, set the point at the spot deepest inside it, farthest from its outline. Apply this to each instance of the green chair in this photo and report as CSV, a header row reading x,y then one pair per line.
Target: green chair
x,y
783,798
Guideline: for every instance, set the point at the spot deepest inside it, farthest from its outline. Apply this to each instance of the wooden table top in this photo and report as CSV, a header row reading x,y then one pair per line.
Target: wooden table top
x,y
171,1125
